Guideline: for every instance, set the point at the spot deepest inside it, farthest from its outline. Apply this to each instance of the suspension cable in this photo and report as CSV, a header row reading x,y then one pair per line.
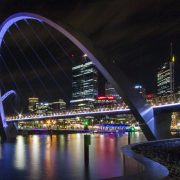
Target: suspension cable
x,y
25,57
49,52
10,73
19,67
57,42
47,70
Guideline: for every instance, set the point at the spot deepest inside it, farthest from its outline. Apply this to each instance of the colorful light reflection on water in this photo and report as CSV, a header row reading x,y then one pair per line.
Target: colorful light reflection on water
x,y
63,156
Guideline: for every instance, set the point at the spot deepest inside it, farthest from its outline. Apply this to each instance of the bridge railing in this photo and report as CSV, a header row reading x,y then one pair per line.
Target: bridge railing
x,y
63,113
157,101
166,99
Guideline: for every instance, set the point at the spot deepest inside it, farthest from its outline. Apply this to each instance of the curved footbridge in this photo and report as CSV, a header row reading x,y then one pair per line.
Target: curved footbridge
x,y
152,124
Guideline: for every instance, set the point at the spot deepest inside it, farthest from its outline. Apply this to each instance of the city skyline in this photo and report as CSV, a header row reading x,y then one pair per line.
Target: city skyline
x,y
84,81
138,55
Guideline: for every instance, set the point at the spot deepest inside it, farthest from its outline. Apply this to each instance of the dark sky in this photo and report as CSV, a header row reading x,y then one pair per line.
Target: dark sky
x,y
135,35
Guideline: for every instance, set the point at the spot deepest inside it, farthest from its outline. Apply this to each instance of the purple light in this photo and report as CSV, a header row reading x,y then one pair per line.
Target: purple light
x,y
8,94
10,21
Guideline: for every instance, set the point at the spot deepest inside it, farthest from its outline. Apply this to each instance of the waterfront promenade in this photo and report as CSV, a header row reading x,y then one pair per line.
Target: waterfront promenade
x,y
166,152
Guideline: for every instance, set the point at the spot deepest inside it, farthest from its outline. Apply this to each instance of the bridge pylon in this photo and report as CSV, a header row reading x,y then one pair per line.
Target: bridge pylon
x,y
7,131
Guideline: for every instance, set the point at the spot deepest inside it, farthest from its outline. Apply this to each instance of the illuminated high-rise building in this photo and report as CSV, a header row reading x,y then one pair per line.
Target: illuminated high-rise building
x,y
84,85
32,101
165,77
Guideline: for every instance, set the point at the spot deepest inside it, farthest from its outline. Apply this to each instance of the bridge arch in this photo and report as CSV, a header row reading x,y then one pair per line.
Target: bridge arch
x,y
143,113
8,94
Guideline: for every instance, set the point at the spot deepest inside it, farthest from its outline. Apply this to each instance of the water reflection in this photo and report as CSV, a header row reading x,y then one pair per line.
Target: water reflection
x,y
35,153
106,158
20,155
0,152
64,156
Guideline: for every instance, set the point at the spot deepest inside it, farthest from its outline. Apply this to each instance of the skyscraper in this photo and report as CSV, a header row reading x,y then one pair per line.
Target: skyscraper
x,y
165,76
84,85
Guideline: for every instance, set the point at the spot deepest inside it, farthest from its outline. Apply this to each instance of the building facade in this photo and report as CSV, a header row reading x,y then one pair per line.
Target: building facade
x,y
165,77
32,102
43,108
57,106
110,91
84,85
165,80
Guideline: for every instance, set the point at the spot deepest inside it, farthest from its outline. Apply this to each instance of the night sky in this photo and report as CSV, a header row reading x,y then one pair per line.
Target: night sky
x,y
135,35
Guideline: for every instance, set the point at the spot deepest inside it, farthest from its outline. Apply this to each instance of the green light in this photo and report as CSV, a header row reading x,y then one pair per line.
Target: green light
x,y
132,129
86,122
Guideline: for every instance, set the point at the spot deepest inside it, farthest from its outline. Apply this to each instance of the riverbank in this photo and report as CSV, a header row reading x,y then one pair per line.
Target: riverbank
x,y
64,131
49,131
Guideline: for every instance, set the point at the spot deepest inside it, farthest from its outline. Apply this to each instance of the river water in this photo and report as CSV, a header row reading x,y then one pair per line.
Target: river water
x,y
65,156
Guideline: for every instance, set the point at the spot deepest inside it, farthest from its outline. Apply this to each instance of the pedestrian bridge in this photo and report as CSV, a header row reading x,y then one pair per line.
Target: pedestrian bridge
x,y
152,123
103,111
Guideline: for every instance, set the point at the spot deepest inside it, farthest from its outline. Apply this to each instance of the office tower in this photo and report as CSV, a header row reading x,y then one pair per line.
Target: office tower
x,y
165,77
32,101
84,85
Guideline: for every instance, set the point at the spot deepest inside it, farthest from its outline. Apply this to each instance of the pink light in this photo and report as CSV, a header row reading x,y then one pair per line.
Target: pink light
x,y
101,97
110,98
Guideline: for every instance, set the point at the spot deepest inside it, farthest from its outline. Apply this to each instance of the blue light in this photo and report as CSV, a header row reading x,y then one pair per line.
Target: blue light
x,y
137,86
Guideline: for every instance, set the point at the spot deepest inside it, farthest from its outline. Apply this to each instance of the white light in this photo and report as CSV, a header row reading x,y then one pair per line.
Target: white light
x,y
72,113
166,105
69,114
85,55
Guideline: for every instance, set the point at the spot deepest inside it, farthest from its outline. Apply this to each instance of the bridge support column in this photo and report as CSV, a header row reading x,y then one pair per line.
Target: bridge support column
x,y
163,124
